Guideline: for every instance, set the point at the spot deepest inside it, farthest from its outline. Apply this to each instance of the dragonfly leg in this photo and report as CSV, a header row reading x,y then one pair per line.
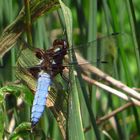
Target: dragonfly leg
x,y
67,81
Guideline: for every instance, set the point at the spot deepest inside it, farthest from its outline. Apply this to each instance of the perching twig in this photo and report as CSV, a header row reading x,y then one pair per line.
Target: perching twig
x,y
90,68
112,114
111,90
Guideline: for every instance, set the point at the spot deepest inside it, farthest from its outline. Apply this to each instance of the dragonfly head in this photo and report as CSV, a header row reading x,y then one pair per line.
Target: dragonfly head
x,y
60,45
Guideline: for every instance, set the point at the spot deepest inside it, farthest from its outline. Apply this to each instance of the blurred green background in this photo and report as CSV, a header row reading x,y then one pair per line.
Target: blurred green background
x,y
76,119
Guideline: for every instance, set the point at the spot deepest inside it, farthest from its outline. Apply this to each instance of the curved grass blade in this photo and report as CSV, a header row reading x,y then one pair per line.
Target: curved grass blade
x,y
22,131
16,28
19,91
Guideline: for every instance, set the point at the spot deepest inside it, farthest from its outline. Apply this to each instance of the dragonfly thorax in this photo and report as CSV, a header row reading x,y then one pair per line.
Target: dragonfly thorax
x,y
51,61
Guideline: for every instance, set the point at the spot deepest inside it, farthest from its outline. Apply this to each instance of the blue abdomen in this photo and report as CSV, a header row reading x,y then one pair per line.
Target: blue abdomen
x,y
39,102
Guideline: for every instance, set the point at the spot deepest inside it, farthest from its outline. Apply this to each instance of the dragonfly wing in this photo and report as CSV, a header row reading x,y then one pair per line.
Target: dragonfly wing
x,y
102,52
27,60
100,48
44,81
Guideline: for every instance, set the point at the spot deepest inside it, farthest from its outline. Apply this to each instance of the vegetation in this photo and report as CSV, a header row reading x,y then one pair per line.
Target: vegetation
x,y
100,101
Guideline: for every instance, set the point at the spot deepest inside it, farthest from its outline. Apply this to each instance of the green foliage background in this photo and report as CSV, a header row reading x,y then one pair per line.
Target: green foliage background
x,y
82,21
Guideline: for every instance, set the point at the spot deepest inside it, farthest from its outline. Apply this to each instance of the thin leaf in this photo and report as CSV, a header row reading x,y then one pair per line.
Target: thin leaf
x,y
75,126
18,91
15,29
22,131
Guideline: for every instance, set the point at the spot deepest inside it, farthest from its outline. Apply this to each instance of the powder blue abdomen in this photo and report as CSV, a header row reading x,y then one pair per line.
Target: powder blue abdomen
x,y
43,83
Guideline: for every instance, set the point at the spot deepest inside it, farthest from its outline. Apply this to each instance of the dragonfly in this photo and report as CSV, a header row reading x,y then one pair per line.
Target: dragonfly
x,y
50,65
44,66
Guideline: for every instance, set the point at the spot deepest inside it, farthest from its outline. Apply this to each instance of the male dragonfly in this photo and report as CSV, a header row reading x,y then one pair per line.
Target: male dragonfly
x,y
47,64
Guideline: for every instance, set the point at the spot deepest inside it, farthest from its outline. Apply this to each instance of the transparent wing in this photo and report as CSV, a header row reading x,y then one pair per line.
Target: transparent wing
x,y
101,52
26,60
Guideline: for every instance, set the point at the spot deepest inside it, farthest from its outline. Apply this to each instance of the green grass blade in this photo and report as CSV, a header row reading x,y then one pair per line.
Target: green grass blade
x,y
135,36
116,28
22,131
28,22
75,126
15,29
2,115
